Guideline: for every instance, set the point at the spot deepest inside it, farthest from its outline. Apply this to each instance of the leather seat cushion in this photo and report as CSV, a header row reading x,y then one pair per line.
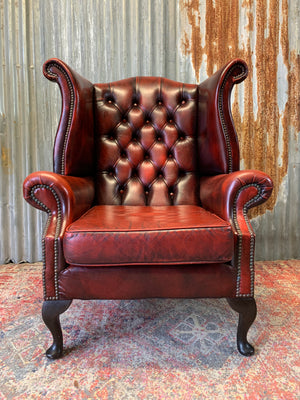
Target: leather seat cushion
x,y
137,235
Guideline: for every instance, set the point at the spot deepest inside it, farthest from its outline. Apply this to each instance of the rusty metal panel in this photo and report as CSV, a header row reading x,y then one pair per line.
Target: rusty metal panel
x,y
266,108
184,40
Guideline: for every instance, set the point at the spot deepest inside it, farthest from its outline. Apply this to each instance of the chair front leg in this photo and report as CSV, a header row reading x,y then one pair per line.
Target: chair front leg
x,y
246,307
50,313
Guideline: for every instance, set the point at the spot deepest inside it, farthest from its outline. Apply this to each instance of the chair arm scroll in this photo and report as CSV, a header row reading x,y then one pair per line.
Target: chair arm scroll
x,y
227,194
64,198
68,196
231,196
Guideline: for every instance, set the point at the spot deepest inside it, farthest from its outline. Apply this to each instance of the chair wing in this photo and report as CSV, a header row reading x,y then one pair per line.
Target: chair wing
x,y
146,198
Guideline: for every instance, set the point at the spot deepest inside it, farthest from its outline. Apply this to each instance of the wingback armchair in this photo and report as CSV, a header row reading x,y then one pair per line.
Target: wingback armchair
x,y
146,199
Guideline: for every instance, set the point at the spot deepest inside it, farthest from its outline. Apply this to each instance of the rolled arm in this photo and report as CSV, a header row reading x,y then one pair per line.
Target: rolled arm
x,y
230,196
64,198
49,191
239,191
73,148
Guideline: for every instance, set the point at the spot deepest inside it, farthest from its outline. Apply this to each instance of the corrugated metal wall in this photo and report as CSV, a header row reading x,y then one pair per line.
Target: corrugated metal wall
x,y
184,40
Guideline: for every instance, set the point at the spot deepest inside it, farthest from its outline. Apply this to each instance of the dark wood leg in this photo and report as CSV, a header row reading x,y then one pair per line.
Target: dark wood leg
x,y
50,313
246,307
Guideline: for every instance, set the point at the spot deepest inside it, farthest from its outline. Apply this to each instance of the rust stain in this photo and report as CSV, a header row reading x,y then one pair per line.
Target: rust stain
x,y
5,159
292,111
261,147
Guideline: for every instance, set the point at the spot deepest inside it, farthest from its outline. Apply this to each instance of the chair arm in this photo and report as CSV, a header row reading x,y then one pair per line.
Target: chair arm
x,y
218,142
64,198
74,142
231,196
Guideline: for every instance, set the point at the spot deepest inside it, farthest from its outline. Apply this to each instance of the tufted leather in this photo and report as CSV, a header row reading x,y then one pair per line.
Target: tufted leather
x,y
146,199
154,165
145,135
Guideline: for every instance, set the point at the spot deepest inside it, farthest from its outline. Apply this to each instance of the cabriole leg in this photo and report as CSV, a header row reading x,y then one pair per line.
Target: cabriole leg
x,y
50,313
246,307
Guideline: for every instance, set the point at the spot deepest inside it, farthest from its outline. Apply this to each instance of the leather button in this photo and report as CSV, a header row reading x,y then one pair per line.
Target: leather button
x,y
121,191
159,103
159,139
181,138
109,101
124,120
147,122
171,194
147,157
135,104
160,176
146,192
170,155
170,121
183,102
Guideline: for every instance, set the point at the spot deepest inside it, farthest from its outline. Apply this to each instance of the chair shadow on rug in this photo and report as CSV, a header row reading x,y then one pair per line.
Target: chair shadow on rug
x,y
169,331
146,199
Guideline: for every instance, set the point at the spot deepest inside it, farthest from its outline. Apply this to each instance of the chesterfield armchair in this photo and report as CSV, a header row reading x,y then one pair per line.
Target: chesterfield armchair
x,y
146,199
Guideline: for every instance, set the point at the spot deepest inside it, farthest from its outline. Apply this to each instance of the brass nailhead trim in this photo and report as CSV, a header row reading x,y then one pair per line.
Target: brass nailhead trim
x,y
58,225
240,241
222,118
70,116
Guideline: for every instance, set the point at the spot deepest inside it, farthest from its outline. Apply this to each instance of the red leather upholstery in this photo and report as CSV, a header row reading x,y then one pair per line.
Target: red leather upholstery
x,y
145,135
74,142
155,235
231,196
146,198
148,281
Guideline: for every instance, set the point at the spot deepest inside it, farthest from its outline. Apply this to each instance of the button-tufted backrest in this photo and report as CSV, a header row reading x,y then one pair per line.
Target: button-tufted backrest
x,y
145,142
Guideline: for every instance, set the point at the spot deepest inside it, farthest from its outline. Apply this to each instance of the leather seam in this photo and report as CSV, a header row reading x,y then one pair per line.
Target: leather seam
x,y
174,264
58,226
227,227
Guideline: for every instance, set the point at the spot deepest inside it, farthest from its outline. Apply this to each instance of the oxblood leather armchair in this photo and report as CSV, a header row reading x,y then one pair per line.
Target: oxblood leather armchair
x,y
146,198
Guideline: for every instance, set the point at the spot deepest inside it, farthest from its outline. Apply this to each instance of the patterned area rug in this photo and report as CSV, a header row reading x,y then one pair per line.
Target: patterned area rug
x,y
151,349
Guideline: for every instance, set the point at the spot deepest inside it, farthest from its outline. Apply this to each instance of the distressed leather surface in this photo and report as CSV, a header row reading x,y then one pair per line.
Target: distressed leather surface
x,y
147,143
138,282
218,193
64,199
231,196
116,235
73,151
